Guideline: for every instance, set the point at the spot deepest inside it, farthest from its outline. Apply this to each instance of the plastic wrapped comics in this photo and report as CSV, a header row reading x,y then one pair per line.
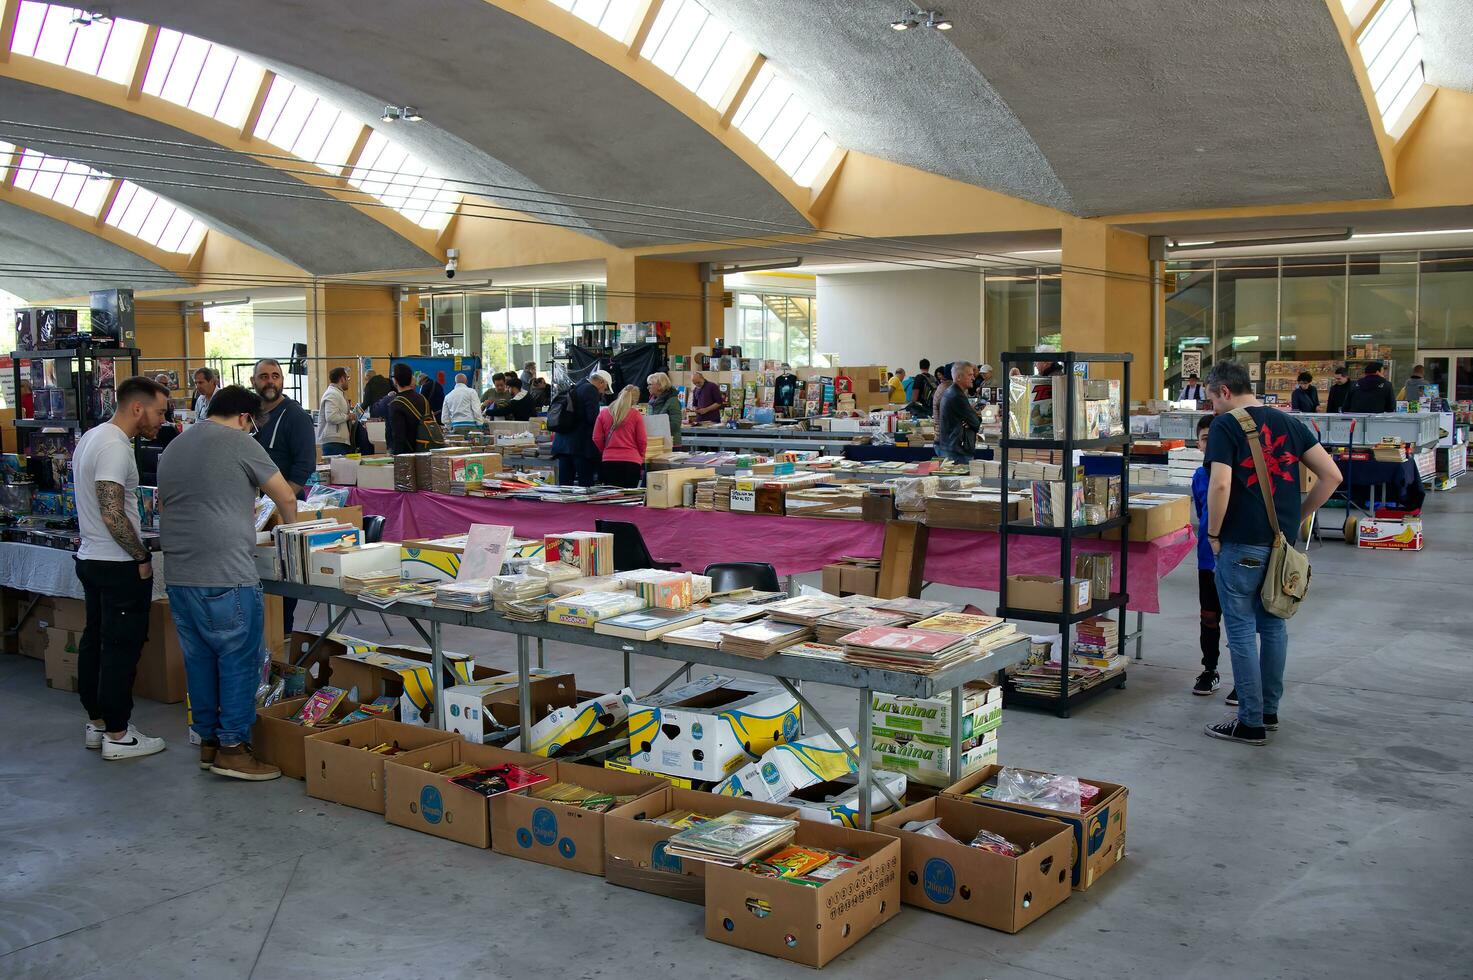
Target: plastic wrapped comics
x,y
1039,789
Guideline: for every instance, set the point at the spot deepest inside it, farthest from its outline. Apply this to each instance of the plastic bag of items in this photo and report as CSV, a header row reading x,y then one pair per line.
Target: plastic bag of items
x,y
1042,789
911,493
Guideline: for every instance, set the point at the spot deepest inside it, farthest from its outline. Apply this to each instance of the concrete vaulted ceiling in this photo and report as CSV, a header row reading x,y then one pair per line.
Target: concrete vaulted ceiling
x,y
309,229
32,245
1447,41
505,102
1094,107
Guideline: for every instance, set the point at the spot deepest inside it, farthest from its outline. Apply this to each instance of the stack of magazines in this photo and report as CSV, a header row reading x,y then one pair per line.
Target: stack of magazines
x,y
803,610
913,650
831,627
732,839
470,596
760,640
409,590
354,584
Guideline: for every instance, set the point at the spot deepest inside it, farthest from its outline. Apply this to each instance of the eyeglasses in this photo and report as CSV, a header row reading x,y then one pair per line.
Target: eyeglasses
x,y
251,421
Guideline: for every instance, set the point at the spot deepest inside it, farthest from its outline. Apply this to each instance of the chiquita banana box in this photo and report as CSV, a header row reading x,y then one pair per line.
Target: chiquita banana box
x,y
567,725
707,728
790,766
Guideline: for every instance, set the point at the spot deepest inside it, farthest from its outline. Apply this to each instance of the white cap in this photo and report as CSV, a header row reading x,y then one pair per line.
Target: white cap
x,y
603,376
985,369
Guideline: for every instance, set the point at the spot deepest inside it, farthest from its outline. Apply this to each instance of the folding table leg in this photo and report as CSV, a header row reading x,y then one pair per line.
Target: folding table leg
x,y
854,759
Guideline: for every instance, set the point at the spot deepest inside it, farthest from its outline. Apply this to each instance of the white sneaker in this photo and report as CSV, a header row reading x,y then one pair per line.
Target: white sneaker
x,y
132,745
93,738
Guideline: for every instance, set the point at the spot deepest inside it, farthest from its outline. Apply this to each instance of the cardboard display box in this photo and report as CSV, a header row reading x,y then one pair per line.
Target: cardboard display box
x,y
929,719
376,473
418,797
634,848
276,739
902,559
666,488
711,726
338,768
1099,832
62,613
478,710
61,658
1382,534
844,578
555,833
801,923
160,675
979,886
401,672
330,565
1045,593
1155,514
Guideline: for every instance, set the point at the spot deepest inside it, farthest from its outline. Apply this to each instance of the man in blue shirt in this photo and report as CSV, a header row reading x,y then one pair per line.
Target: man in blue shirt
x,y
1241,537
1208,680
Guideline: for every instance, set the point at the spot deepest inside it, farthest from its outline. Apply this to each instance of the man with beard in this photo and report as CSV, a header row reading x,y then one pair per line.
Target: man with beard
x,y
286,432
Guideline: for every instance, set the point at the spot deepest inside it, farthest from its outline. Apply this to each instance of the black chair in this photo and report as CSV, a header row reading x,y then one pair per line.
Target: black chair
x,y
727,576
373,529
630,551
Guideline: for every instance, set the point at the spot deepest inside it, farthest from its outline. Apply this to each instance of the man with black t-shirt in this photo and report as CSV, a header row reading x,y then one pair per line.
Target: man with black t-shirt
x,y
1239,532
405,411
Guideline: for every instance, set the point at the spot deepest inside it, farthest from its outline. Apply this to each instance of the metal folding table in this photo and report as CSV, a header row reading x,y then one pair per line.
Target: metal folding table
x,y
787,671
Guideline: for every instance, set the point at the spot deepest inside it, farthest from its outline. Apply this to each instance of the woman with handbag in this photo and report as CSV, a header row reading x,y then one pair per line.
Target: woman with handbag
x,y
620,436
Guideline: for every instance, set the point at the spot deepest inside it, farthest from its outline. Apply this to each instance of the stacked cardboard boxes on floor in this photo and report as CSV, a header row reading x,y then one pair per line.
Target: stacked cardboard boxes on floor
x,y
913,735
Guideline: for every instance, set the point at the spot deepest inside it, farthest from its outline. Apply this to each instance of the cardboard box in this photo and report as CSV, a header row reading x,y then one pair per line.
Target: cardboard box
x,y
666,488
377,475
1045,593
555,833
837,801
475,711
347,515
438,561
929,763
929,719
902,559
276,739
338,768
801,923
31,640
980,886
634,848
1153,515
418,797
843,578
711,726
61,658
400,672
1389,535
160,675
62,613
343,471
1099,832
330,565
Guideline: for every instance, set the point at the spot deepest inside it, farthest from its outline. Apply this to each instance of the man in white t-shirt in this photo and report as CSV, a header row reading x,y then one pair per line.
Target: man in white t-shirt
x,y
115,569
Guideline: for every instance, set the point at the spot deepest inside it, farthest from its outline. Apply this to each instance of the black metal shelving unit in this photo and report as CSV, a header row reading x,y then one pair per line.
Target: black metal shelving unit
x,y
83,367
1063,701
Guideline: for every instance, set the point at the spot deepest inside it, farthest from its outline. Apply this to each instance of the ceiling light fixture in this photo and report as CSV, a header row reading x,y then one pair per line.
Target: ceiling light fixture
x,y
933,19
395,113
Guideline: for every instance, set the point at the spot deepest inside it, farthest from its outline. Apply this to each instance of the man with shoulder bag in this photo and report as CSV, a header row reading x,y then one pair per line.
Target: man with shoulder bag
x,y
1255,459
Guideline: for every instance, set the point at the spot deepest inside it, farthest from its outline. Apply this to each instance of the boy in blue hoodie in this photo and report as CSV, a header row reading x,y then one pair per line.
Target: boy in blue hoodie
x,y
1207,681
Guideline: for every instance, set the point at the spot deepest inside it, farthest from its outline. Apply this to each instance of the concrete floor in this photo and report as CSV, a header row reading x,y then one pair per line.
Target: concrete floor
x,y
1341,850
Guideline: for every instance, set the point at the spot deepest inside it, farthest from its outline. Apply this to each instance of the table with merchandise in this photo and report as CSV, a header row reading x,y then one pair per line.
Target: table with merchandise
x,y
788,670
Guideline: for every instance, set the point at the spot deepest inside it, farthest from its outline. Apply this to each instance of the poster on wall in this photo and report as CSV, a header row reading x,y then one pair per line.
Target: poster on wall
x,y
1255,371
1191,362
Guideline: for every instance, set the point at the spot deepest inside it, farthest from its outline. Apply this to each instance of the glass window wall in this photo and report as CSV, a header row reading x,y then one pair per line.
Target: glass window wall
x,y
506,328
776,326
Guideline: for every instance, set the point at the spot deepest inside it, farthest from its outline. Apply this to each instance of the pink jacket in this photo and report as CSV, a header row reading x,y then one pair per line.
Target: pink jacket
x,y
626,444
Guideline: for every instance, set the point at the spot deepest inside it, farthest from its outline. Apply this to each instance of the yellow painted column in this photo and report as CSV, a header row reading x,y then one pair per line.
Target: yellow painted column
x,y
654,289
1105,302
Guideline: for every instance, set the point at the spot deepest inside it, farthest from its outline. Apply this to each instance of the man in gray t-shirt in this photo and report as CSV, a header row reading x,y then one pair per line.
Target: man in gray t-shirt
x,y
208,481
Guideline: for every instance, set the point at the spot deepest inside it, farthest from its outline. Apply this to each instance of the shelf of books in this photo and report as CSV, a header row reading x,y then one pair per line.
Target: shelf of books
x,y
1052,417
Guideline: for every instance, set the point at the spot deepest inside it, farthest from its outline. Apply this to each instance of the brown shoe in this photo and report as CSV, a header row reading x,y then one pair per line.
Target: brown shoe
x,y
237,762
207,752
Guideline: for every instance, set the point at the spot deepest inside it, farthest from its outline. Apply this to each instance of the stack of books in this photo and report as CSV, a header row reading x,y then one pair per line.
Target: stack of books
x,y
532,609
1096,644
296,542
912,650
831,628
354,584
803,610
706,495
732,839
815,651
409,590
916,609
472,596
704,634
586,609
1043,679
962,624
731,612
647,624
760,640
590,552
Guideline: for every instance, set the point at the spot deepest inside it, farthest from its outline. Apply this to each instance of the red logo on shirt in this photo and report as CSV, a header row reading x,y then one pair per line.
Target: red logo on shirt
x,y
1277,463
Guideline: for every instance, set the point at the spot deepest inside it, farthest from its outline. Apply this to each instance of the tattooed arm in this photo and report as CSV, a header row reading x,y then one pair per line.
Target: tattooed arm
x,y
110,499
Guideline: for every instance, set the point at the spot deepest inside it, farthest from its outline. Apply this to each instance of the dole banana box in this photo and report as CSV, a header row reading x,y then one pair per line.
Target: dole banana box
x,y
929,719
586,718
706,729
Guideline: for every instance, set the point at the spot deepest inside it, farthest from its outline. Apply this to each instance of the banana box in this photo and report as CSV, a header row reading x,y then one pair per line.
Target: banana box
x,y
790,766
837,801
438,559
928,763
706,729
1404,534
563,727
929,719
481,711
378,673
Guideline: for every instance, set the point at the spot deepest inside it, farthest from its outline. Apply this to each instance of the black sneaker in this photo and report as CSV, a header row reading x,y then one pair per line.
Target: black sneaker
x,y
1207,682
1233,730
1271,722
1232,698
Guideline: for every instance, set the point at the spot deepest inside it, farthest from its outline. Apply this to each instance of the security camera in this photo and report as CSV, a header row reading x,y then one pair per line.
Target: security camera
x,y
452,260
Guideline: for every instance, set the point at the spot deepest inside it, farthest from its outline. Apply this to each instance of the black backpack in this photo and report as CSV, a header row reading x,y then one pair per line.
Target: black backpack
x,y
428,434
562,413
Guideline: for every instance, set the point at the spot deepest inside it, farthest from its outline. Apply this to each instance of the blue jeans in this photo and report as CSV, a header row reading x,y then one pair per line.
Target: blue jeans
x,y
220,633
953,457
1257,641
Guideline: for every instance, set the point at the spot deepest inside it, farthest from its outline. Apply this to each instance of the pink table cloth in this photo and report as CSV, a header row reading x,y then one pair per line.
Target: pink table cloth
x,y
698,538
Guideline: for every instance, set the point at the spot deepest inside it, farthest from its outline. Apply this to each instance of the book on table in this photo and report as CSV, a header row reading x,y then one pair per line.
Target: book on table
x,y
803,610
763,638
731,612
646,624
703,634
962,624
907,641
916,608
